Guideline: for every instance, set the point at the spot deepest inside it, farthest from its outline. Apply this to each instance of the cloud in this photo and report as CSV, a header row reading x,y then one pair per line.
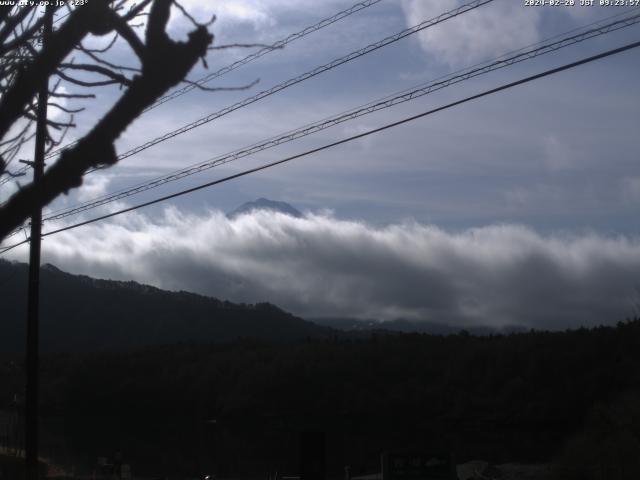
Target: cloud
x,y
320,265
247,12
259,15
631,189
93,186
478,35
558,154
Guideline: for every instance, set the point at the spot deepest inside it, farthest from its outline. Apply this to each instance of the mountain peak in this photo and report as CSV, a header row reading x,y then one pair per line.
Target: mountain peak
x,y
265,204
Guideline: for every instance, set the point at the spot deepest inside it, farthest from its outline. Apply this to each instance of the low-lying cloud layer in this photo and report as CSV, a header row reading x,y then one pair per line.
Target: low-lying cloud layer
x,y
323,266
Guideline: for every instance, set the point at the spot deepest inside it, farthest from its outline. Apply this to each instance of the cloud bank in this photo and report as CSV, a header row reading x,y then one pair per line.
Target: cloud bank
x,y
322,266
478,35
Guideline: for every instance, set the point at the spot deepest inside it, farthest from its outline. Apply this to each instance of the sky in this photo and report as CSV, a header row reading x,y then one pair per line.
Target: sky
x,y
519,208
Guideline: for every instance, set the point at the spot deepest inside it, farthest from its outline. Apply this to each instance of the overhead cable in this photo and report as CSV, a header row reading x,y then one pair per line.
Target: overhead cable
x,y
265,50
325,22
485,93
387,102
307,75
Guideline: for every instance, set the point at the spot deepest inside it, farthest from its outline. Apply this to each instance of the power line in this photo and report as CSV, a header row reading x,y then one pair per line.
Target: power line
x,y
22,228
387,102
485,93
263,51
307,75
292,81
11,247
473,70
325,22
18,173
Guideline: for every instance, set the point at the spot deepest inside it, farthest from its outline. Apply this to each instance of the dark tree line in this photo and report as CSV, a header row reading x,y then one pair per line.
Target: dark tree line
x,y
522,397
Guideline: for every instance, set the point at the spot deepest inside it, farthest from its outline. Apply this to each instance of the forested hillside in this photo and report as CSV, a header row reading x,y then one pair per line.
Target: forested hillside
x,y
82,314
528,397
147,371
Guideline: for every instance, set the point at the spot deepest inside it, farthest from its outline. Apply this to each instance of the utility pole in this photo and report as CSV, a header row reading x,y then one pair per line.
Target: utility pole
x,y
33,299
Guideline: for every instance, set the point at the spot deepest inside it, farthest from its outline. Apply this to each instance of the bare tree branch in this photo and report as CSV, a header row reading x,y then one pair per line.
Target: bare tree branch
x,y
24,37
83,83
165,63
221,89
126,32
65,109
104,62
46,62
104,49
116,77
71,95
136,10
13,21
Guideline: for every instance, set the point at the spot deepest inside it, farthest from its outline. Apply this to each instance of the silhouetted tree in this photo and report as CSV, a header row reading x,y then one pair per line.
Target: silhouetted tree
x,y
24,65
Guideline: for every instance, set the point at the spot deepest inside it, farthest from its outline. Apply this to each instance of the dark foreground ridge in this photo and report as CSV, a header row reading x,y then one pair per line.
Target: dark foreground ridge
x,y
240,409
80,314
145,374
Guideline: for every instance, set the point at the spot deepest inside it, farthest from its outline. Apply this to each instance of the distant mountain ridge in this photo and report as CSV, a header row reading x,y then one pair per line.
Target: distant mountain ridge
x,y
265,204
80,313
357,325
